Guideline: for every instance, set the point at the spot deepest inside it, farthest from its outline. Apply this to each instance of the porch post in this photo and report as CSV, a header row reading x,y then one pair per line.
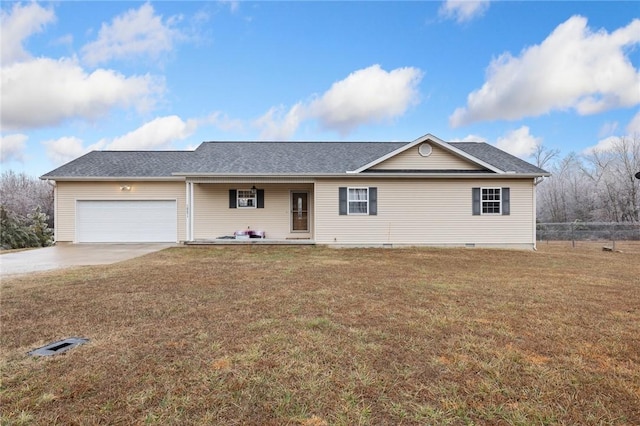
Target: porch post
x,y
189,212
535,216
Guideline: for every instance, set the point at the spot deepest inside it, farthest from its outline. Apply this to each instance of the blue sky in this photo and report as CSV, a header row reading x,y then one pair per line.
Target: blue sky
x,y
78,76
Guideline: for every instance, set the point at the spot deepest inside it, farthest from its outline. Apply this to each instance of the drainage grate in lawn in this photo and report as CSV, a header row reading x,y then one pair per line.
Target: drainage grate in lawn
x,y
59,347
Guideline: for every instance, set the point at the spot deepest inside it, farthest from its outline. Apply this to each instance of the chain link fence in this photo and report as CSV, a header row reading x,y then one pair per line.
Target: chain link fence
x,y
588,231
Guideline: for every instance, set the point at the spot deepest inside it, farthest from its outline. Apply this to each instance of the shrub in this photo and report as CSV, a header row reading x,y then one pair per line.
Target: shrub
x,y
19,232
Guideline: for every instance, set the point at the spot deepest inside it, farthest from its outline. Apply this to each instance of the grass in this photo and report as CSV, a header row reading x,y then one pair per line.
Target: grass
x,y
314,336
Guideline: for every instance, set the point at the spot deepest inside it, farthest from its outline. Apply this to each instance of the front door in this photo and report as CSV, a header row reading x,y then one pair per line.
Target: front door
x,y
300,211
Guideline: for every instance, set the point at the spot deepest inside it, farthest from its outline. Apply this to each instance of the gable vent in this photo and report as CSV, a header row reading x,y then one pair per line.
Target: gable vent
x,y
425,149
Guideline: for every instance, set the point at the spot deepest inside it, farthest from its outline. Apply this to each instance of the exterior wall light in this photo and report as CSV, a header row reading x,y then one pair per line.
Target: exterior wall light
x,y
125,187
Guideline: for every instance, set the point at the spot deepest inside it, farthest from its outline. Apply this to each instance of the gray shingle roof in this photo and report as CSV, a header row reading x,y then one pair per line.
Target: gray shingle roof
x,y
496,157
152,164
288,157
312,158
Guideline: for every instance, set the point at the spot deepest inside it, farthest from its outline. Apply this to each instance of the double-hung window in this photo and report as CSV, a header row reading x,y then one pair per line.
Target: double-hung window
x,y
246,198
491,200
358,201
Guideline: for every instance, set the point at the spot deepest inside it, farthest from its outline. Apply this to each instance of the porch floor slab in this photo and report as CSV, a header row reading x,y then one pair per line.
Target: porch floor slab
x,y
251,241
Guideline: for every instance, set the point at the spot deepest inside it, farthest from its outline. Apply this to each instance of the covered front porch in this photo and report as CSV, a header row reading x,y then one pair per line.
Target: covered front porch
x,y
250,210
262,242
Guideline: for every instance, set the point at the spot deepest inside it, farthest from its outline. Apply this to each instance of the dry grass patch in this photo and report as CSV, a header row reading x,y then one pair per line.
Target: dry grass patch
x,y
314,336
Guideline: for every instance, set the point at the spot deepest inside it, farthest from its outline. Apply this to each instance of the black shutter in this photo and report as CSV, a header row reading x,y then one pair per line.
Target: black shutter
x,y
342,196
475,198
373,201
233,198
260,202
506,202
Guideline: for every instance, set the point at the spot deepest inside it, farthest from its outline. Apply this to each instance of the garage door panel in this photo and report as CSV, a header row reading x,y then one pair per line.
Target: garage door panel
x,y
126,221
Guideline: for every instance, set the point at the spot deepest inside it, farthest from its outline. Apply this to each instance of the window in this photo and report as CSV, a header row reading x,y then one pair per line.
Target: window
x,y
358,201
491,200
246,198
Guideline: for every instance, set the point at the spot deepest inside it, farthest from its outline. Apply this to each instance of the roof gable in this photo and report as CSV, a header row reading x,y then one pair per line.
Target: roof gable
x,y
452,150
426,156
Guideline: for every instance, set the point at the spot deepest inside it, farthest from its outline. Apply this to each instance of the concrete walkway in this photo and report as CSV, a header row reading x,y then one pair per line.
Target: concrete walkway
x,y
66,255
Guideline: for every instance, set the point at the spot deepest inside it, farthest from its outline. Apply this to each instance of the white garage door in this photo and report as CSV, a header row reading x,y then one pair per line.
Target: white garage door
x,y
142,221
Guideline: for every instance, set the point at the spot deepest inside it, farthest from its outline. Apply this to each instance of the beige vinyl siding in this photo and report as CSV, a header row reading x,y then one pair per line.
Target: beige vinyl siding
x,y
67,193
429,212
213,218
438,160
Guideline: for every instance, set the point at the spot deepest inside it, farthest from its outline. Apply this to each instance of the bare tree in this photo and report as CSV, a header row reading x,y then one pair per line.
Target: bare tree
x,y
542,155
562,197
600,186
612,173
22,194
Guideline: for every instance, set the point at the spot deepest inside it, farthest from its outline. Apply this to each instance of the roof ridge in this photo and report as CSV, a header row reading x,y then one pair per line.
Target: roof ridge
x,y
286,142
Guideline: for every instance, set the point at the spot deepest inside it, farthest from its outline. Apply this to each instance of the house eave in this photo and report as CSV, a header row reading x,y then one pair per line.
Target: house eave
x,y
112,178
426,174
446,175
349,175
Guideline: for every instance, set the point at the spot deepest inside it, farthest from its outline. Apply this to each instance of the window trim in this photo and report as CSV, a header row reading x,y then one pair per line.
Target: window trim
x,y
349,201
254,197
483,201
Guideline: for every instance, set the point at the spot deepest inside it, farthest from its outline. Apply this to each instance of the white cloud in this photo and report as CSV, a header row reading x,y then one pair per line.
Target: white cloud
x,y
519,142
134,33
158,133
633,128
278,125
64,149
366,96
470,138
234,5
608,143
608,128
45,92
603,145
223,122
12,147
573,68
463,10
19,24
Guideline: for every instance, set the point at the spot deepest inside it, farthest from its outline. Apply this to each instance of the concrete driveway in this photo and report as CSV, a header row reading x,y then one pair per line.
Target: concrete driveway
x,y
66,255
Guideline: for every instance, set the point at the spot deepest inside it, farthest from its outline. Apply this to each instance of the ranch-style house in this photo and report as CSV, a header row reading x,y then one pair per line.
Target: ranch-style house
x,y
424,192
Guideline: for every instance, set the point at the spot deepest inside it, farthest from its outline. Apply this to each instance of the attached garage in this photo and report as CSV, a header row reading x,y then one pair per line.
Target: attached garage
x,y
130,221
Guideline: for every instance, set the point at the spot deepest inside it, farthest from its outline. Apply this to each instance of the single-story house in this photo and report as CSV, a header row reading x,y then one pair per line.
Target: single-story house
x,y
425,192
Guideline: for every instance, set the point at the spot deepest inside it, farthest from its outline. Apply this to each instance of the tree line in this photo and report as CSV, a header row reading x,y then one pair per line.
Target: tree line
x,y
26,211
600,186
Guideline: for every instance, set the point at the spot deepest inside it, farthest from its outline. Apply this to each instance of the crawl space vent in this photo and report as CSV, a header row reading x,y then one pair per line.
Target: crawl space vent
x,y
59,347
